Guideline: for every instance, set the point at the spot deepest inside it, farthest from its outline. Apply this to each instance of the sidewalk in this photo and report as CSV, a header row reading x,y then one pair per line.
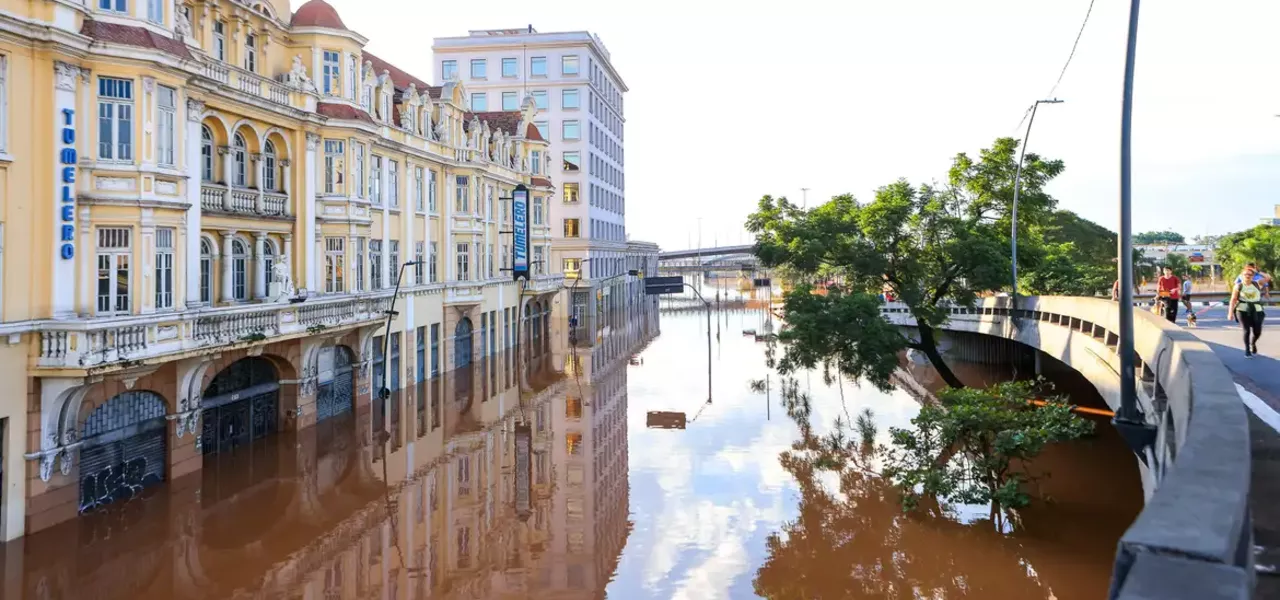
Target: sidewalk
x,y
1260,376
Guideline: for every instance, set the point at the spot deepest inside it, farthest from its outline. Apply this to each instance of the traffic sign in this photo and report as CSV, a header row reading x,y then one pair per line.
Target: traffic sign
x,y
664,285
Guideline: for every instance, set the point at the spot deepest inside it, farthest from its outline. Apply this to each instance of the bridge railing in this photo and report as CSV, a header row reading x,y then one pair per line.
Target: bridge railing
x,y
1193,538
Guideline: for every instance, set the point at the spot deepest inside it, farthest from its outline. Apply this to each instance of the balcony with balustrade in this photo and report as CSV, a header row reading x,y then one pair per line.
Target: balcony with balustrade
x,y
249,202
249,83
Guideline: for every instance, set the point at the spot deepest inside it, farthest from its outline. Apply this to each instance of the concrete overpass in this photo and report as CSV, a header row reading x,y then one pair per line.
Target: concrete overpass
x,y
1194,537
706,252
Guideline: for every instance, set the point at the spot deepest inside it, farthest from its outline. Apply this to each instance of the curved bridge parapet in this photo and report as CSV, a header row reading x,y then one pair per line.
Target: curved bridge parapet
x,y
1193,538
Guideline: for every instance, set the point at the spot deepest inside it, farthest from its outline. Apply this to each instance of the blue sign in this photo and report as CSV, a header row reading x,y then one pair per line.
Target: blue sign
x,y
520,232
67,177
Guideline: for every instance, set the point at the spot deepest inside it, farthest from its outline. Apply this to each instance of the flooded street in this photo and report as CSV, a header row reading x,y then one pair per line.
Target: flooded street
x,y
443,496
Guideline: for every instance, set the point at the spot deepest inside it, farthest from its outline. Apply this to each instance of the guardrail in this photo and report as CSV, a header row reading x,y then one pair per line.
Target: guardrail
x,y
1193,539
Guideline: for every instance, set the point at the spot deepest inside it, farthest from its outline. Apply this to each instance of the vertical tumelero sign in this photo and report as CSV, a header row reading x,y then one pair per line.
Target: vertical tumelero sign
x,y
67,180
520,232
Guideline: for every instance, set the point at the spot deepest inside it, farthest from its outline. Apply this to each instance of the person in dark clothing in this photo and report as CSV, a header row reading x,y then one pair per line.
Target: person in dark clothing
x,y
1170,290
1246,308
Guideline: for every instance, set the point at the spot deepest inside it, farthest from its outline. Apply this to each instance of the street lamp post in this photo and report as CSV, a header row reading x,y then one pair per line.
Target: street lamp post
x,y
1017,183
384,392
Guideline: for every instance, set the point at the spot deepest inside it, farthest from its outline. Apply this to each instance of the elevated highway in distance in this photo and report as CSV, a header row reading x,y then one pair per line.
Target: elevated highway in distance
x,y
706,252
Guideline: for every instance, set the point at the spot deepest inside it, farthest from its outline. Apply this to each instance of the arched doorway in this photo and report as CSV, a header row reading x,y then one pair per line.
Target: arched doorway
x,y
240,405
337,382
124,448
462,343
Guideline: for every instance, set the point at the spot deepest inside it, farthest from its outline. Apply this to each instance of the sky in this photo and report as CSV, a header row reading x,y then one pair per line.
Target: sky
x,y
730,101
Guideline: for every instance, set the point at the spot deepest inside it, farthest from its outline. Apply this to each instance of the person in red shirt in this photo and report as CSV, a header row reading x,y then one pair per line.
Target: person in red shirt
x,y
1169,287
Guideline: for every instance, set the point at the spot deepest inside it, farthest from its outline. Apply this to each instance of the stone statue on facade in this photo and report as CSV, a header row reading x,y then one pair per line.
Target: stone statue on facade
x,y
181,25
442,131
281,288
297,76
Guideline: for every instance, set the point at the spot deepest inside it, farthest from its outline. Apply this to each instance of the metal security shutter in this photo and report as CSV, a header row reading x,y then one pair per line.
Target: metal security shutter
x,y
336,396
241,405
124,449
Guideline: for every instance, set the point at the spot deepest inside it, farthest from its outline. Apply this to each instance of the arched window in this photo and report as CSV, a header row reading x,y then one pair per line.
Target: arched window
x,y
239,269
206,153
239,155
269,167
268,258
206,270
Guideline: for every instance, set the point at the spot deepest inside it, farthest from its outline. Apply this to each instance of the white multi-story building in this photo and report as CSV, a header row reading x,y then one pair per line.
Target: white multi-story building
x,y
579,96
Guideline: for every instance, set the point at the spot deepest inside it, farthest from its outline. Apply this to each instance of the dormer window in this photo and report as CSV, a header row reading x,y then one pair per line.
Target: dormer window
x,y
351,77
386,107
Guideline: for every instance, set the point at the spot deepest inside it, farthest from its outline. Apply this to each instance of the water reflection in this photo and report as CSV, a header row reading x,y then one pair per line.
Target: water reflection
x,y
413,500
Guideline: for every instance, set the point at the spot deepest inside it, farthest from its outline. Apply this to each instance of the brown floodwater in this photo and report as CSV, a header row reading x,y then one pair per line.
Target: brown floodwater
x,y
443,506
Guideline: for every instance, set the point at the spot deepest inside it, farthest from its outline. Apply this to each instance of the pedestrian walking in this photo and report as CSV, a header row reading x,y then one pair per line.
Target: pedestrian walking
x,y
1246,309
1115,291
1169,288
1186,300
1262,279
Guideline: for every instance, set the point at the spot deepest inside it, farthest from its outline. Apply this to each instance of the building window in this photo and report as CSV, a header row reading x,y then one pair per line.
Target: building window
x,y
431,193
239,156
114,255
461,201
448,70
269,163
535,162
478,68
155,11
432,274
509,101
539,260
206,153
572,162
167,99
418,256
333,168
375,264
206,270
239,270
395,261
334,255
571,130
540,99
479,102
572,268
115,119
571,228
268,258
489,261
537,210
120,6
219,40
538,66
571,195
509,67
393,183
375,180
544,129
332,71
358,150
570,99
419,198
464,262
435,349
164,268
251,53
569,65
358,262
351,77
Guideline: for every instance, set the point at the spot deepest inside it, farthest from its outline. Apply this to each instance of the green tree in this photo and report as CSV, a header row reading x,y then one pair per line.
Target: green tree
x,y
930,246
1159,237
1259,245
1180,264
1077,258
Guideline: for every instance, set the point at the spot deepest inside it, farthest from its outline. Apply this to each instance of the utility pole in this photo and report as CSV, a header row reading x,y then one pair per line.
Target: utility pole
x,y
1017,181
805,194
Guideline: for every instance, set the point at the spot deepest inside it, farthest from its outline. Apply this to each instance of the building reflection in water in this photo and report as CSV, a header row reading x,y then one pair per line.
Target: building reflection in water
x,y
414,501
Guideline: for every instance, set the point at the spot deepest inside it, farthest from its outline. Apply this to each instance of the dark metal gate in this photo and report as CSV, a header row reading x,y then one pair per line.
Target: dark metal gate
x,y
241,405
124,449
336,395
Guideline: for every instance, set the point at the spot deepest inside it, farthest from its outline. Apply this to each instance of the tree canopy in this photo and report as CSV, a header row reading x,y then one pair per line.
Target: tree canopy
x,y
1159,237
1259,245
1077,257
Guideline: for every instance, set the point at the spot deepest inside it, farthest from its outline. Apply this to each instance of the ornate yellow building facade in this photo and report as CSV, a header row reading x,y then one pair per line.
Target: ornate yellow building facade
x,y
205,206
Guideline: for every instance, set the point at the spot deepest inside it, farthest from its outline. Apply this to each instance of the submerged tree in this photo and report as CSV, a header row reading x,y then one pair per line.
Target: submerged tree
x,y
928,246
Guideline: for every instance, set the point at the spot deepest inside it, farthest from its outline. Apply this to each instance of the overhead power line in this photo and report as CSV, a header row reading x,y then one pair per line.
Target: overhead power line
x,y
1063,72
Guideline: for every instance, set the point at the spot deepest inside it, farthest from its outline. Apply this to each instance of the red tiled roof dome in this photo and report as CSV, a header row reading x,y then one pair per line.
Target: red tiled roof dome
x,y
317,13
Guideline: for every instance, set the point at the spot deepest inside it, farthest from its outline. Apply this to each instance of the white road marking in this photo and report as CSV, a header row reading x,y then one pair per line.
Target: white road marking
x,y
1259,408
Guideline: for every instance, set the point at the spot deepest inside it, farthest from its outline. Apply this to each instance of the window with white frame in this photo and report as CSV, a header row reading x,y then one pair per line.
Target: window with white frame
x,y
535,162
268,258
164,268
375,265
479,69
489,214
432,260
239,270
219,40
448,70
351,77
120,6
375,180
569,64
358,167
270,164
509,67
431,193
503,256
334,255
538,66
206,270
464,261
358,261
419,198
155,11
510,101
114,258
419,249
540,99
115,119
206,153
571,130
251,53
488,258
333,168
570,99
394,262
479,102
167,101
393,184
239,160
331,72
539,259
462,201
537,210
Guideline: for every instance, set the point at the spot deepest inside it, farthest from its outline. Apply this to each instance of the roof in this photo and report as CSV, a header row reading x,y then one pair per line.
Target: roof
x,y
399,78
317,13
540,182
506,120
138,37
531,133
335,110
